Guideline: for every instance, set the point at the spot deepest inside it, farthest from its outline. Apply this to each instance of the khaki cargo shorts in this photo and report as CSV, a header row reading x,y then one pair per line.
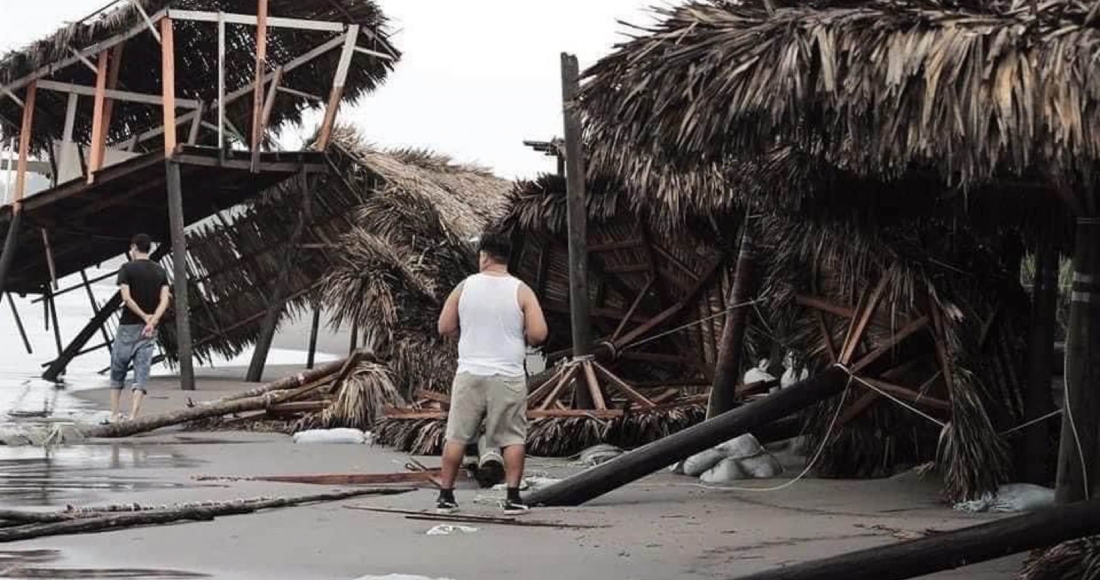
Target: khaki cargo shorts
x,y
498,400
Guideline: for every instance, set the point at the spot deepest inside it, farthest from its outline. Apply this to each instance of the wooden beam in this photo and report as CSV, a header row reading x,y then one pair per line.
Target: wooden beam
x,y
265,115
258,90
116,95
145,17
566,377
855,337
633,307
112,84
337,93
373,53
301,94
50,265
907,331
168,74
25,132
577,209
627,391
179,254
196,126
251,20
593,386
12,96
99,131
221,81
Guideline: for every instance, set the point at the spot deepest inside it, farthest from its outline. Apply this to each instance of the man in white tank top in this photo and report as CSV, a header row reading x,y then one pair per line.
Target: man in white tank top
x,y
495,316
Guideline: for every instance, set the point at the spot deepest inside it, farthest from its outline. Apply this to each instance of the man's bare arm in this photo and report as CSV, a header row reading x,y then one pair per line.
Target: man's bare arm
x,y
162,306
534,322
448,318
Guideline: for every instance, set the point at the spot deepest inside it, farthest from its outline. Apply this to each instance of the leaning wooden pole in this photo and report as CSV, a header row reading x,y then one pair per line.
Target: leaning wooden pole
x,y
278,299
723,392
1078,477
949,550
577,209
179,277
1034,449
311,356
594,482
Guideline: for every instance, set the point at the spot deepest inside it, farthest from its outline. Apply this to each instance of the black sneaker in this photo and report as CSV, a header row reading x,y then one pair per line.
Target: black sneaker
x,y
446,505
514,506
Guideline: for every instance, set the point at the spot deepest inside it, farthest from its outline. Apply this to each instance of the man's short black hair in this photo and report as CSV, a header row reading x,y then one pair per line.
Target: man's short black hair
x,y
142,242
497,246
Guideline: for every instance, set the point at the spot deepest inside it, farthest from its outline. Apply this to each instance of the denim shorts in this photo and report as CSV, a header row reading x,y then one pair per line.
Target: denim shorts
x,y
131,346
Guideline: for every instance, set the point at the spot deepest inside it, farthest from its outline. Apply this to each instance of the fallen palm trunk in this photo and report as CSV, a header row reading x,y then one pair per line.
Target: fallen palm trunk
x,y
951,550
643,461
16,517
83,525
337,478
471,518
272,398
291,382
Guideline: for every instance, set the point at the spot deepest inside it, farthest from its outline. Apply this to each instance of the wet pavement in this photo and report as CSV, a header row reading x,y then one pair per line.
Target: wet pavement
x,y
32,564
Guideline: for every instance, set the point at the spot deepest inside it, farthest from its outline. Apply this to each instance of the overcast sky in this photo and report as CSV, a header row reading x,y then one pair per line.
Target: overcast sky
x,y
477,76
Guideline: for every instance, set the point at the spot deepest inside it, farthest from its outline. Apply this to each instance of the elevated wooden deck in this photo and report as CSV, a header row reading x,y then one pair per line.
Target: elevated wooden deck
x,y
77,225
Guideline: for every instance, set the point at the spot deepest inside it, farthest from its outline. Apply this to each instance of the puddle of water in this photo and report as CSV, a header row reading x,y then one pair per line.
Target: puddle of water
x,y
36,476
23,564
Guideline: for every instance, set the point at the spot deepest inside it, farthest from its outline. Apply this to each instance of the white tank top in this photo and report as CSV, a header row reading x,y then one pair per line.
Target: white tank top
x,y
491,338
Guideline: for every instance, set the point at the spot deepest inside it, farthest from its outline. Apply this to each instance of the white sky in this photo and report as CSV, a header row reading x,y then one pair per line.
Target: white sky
x,y
477,77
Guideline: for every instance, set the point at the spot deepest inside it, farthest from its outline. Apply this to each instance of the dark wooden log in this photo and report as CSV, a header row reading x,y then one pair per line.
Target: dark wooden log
x,y
1078,476
1034,448
193,513
277,303
577,209
91,300
949,550
52,306
179,276
292,381
727,374
658,455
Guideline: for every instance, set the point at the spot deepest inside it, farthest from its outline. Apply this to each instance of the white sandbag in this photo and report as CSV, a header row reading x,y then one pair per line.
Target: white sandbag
x,y
677,468
763,466
1011,497
448,529
702,461
758,374
341,435
741,447
727,470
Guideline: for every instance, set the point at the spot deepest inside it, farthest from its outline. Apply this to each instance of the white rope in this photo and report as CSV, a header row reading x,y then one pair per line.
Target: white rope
x,y
812,463
1053,413
941,424
1068,406
690,324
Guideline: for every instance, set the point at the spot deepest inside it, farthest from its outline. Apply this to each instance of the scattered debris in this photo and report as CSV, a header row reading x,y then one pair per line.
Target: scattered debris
x,y
1011,497
598,454
448,529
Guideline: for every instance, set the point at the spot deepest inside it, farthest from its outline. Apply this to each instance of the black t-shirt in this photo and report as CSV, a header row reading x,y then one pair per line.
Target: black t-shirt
x,y
145,279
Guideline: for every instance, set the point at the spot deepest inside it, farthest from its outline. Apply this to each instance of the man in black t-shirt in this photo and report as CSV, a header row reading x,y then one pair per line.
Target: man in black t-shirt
x,y
144,287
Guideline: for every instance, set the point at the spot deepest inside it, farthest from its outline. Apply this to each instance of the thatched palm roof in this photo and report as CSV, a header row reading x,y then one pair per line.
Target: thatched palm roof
x,y
196,63
373,201
969,93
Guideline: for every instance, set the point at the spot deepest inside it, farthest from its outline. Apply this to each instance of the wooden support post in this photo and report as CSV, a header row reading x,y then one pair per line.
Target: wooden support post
x,y
1034,449
258,90
52,305
11,241
1078,477
179,260
168,90
109,104
337,93
313,328
221,81
278,299
628,467
99,130
723,393
354,337
19,324
578,216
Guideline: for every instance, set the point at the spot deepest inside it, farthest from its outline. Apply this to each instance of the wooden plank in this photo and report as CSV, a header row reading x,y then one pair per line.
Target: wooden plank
x,y
258,90
543,389
907,331
336,478
627,391
337,93
566,377
25,131
168,88
221,81
114,68
50,264
116,95
99,131
593,386
633,307
856,336
252,20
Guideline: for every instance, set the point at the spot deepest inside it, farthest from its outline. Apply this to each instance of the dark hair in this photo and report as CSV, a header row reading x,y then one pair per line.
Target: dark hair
x,y
497,246
142,242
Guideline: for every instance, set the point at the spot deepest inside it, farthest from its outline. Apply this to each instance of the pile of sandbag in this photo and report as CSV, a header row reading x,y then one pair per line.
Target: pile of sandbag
x,y
739,458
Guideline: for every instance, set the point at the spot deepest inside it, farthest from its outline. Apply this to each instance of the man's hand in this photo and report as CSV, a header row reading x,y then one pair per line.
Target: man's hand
x,y
149,331
149,319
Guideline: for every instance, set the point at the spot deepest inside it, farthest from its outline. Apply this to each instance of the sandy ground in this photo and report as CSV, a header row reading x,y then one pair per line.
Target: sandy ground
x,y
663,526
